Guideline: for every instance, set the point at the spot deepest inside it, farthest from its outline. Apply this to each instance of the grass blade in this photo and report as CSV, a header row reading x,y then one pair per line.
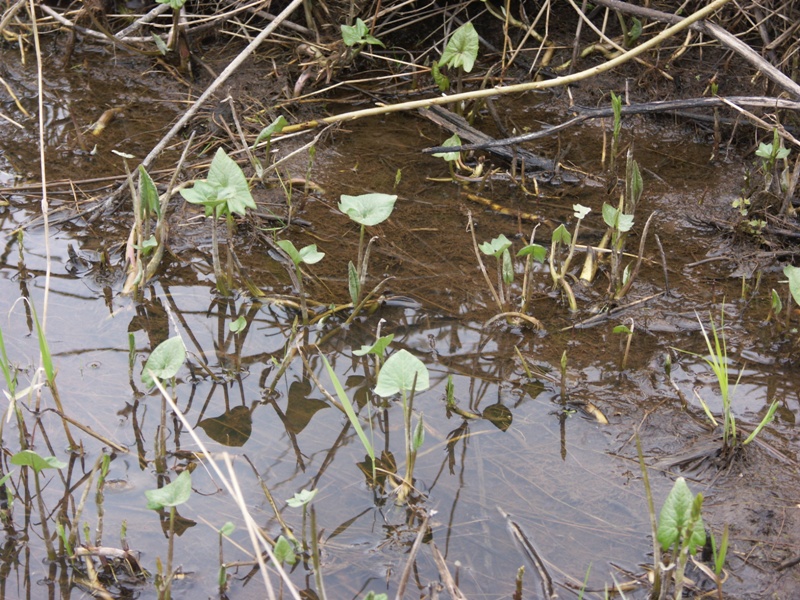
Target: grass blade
x,y
350,412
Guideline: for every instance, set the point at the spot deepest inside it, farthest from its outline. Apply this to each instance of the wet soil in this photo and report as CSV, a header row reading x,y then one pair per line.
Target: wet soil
x,y
570,482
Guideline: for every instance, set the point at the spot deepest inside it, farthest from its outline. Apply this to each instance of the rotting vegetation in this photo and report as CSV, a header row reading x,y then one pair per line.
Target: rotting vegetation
x,y
731,70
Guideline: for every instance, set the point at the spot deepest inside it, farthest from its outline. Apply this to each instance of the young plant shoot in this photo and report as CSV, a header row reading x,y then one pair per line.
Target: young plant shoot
x,y
225,193
367,210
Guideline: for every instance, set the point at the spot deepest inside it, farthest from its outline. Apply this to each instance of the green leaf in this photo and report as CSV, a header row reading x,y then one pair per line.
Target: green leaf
x,y
676,516
354,34
561,235
373,41
44,348
368,209
398,374
462,48
238,325
150,243
165,361
615,219
358,34
378,348
635,183
310,255
453,141
275,127
205,194
496,247
419,435
777,304
539,252
764,422
172,494
581,211
622,329
635,31
29,458
301,498
227,529
344,399
288,247
160,45
231,184
441,80
148,193
508,268
764,150
353,283
793,273
284,552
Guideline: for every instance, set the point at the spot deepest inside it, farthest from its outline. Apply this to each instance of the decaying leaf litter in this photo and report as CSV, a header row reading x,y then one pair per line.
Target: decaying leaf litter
x,y
720,183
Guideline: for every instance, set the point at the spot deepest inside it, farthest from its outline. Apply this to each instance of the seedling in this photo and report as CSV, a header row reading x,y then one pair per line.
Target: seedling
x,y
358,35
302,499
562,238
176,6
222,575
717,359
680,528
225,193
460,52
308,255
718,554
771,153
31,460
628,332
619,225
266,135
404,373
498,248
367,210
531,252
169,496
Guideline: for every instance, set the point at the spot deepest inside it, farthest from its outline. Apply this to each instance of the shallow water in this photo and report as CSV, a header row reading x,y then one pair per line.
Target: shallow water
x,y
571,484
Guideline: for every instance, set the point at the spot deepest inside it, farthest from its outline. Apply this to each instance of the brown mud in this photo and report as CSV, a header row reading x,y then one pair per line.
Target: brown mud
x,y
538,456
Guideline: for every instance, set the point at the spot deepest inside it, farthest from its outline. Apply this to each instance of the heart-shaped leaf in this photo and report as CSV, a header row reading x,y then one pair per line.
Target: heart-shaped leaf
x,y
165,361
368,209
538,252
399,372
496,246
172,494
231,184
462,48
29,458
378,348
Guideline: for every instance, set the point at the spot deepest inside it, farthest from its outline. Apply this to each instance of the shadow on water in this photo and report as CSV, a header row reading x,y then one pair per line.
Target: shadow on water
x,y
522,453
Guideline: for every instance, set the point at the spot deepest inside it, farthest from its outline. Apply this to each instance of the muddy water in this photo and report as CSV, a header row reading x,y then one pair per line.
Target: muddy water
x,y
537,458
